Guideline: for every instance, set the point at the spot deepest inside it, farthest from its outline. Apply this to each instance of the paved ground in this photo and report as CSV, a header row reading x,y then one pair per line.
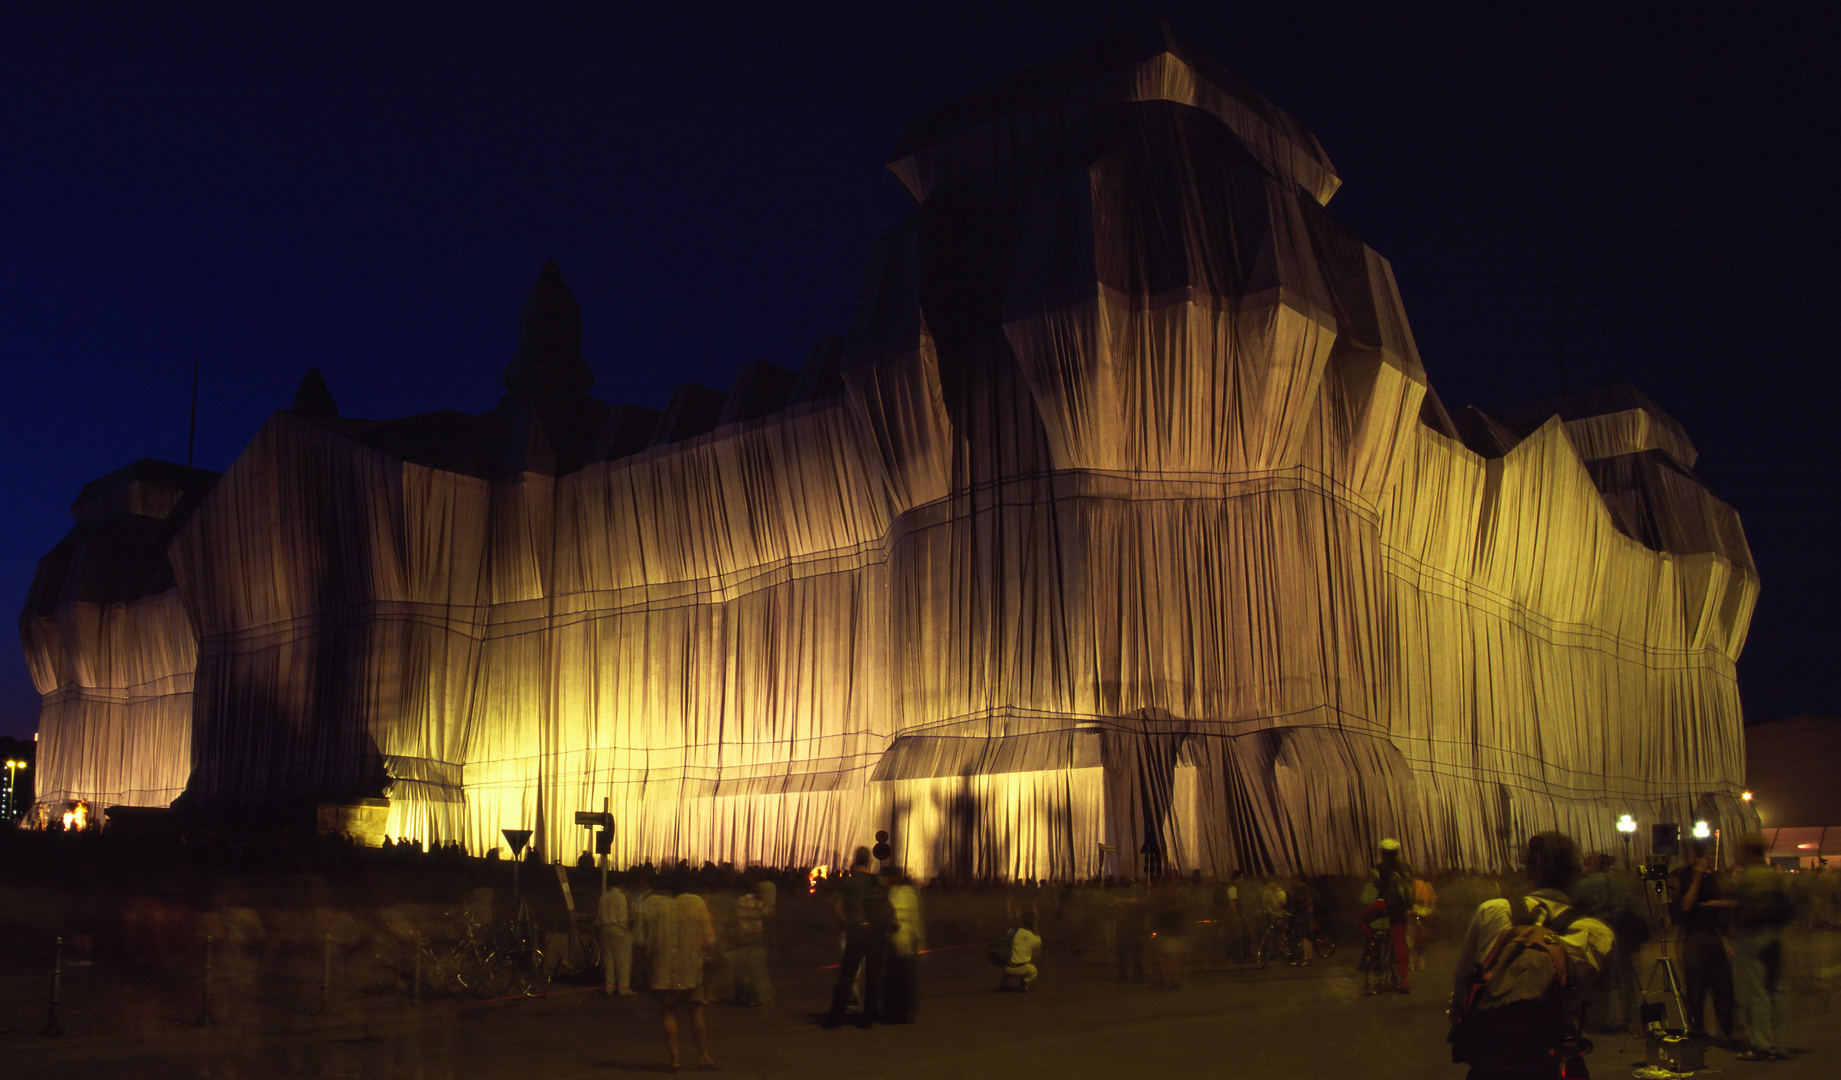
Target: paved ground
x,y
1228,1020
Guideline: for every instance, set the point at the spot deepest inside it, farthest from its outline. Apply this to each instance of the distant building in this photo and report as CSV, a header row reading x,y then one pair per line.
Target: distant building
x,y
1793,770
1124,515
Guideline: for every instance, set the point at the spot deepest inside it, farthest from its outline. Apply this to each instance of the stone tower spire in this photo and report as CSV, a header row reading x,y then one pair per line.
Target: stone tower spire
x,y
548,364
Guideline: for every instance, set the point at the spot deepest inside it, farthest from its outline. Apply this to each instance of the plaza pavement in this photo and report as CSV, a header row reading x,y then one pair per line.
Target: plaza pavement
x,y
1228,1020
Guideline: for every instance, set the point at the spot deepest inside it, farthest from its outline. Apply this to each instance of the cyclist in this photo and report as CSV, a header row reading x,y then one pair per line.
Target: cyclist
x,y
1392,881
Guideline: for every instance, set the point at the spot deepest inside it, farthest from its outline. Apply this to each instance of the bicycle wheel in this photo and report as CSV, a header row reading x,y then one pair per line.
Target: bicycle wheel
x,y
443,971
530,972
1267,948
1326,945
376,969
488,974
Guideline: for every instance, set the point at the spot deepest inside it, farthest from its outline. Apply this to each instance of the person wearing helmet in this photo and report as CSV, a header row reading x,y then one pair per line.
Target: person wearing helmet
x,y
1392,882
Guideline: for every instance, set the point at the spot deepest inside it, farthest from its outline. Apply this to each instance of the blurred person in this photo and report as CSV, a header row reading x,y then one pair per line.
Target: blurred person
x,y
1171,938
901,999
678,937
1301,911
1700,908
1425,904
859,897
1763,907
1132,930
1234,917
611,920
751,983
1514,1011
1610,898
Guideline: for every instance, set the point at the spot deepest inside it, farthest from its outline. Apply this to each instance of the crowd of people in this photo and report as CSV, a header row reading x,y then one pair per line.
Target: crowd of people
x,y
692,937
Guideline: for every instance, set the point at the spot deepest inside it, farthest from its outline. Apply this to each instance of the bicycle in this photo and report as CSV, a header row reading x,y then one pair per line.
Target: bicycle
x,y
1282,939
1380,975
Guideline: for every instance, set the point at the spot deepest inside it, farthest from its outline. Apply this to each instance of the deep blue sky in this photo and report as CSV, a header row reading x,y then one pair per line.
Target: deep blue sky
x,y
260,191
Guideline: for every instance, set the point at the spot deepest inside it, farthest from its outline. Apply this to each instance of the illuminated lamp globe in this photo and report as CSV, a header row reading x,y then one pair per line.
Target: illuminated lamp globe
x,y
1626,824
1701,831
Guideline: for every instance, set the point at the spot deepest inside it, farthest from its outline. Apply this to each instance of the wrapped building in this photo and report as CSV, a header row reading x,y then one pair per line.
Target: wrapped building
x,y
1123,518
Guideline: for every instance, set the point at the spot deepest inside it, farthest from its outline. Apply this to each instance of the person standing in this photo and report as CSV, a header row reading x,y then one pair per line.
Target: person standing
x,y
901,999
1609,898
751,983
616,941
1763,908
1700,907
678,937
865,947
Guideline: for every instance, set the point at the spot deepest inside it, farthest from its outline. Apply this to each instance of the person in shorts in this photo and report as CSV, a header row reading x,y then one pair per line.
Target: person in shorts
x,y
675,926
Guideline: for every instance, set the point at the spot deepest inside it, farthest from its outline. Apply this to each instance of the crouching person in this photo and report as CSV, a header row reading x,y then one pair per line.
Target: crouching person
x,y
1015,952
1523,969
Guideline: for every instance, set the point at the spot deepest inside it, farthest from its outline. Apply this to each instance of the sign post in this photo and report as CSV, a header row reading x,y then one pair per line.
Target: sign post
x,y
517,838
603,843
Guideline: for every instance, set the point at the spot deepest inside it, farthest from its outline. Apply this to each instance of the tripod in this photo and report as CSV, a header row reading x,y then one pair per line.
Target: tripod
x,y
1656,1012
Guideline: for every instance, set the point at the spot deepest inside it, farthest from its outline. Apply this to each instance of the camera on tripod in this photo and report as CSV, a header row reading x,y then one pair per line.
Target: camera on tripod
x,y
1655,869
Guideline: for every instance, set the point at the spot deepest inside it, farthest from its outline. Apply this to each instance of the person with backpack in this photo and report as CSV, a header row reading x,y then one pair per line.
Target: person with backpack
x,y
861,904
1015,953
1522,968
1764,908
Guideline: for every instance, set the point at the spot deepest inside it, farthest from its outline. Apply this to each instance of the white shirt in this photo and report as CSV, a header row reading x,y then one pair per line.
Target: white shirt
x,y
1023,947
610,914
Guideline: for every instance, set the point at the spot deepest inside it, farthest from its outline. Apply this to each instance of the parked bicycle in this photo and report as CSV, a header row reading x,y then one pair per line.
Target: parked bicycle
x,y
477,961
1283,938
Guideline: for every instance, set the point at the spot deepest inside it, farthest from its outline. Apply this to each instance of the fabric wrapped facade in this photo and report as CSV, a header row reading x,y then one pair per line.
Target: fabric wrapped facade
x,y
1123,516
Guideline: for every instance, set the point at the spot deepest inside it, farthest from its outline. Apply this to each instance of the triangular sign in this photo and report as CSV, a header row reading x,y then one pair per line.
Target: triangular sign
x,y
517,838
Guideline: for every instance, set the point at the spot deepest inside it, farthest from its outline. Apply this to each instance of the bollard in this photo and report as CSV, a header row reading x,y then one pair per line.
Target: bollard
x,y
204,1008
53,1025
326,977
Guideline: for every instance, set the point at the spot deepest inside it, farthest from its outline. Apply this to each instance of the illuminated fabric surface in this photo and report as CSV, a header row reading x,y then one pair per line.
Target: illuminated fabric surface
x,y
1127,517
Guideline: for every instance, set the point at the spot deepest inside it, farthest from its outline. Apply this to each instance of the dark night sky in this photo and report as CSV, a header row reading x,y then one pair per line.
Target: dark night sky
x,y
260,191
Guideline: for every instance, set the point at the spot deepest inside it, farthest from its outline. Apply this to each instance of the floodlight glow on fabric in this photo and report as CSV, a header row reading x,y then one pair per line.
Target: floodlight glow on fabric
x,y
1114,552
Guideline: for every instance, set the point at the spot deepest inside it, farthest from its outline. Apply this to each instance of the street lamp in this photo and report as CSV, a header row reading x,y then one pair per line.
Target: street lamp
x,y
1702,831
12,770
1626,825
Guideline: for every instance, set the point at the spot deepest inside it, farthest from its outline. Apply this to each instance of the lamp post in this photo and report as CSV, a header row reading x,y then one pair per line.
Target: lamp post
x,y
12,771
1627,826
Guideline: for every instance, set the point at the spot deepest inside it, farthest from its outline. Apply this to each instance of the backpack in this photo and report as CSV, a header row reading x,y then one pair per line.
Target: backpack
x,y
1003,950
1397,890
1513,1006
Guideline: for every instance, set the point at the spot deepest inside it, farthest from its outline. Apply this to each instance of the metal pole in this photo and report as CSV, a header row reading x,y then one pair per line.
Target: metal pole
x,y
326,977
204,1010
53,1025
